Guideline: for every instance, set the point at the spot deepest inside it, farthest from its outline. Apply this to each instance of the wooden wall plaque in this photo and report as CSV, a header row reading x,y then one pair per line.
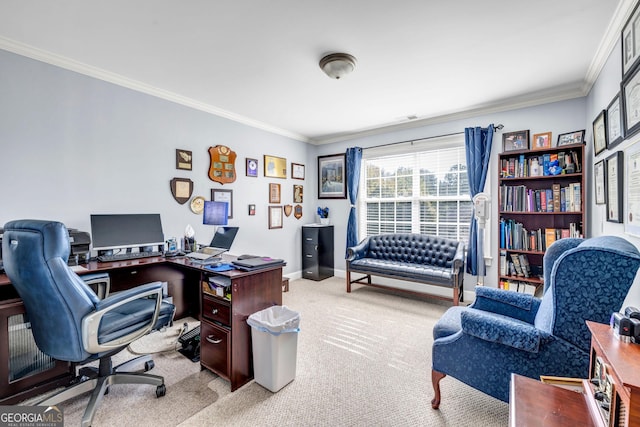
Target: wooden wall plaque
x,y
222,168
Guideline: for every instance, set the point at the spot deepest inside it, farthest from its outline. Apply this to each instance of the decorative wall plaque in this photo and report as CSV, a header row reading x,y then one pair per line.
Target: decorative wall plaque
x,y
287,210
181,189
222,168
297,211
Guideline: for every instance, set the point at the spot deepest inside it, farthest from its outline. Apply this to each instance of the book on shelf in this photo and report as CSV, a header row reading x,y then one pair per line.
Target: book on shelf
x,y
556,197
516,263
549,237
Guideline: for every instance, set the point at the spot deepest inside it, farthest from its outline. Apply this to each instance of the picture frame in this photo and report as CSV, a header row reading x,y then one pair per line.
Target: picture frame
x,y
632,184
600,133
631,103
541,141
298,194
251,167
332,182
297,171
599,183
252,210
275,217
275,167
570,138
515,141
615,133
274,193
614,166
219,195
184,159
631,42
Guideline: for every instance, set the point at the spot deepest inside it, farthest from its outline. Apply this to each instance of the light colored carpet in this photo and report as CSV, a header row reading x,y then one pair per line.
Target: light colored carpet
x,y
363,359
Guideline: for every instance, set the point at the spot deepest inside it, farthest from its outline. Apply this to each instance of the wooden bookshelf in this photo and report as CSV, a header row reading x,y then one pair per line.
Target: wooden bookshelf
x,y
535,210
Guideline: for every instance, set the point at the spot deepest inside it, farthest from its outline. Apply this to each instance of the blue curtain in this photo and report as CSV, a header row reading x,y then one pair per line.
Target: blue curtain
x,y
478,148
354,160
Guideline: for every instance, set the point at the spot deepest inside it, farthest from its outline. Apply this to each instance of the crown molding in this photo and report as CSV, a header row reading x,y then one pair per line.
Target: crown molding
x,y
117,79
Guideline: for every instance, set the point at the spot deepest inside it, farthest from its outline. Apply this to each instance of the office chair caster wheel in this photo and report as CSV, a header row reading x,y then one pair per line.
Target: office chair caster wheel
x,y
149,365
161,390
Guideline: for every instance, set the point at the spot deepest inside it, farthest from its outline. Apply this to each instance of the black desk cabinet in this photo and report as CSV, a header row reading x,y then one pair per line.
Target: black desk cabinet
x,y
317,251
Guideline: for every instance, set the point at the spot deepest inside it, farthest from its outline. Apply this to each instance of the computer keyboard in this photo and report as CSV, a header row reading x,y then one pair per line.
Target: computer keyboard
x,y
127,256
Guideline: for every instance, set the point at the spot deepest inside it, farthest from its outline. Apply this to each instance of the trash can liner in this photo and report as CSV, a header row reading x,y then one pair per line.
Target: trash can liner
x,y
275,320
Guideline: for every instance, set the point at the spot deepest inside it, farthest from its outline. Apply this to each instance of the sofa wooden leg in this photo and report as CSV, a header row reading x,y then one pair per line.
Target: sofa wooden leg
x,y
435,381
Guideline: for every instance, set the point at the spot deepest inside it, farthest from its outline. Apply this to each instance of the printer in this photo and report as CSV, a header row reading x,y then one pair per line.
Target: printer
x,y
80,242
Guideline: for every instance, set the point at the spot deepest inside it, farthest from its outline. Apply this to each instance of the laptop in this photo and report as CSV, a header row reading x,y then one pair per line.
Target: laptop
x,y
221,243
256,263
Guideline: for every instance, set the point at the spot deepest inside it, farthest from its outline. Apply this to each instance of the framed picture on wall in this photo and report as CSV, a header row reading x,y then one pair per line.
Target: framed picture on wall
x,y
218,195
614,179
332,179
600,133
632,183
631,42
275,217
599,182
614,122
631,103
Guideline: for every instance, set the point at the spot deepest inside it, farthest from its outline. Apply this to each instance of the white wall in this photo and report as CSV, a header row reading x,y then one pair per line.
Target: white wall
x,y
72,145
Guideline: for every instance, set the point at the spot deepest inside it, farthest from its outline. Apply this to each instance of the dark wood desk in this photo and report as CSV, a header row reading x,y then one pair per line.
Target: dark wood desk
x,y
252,291
616,366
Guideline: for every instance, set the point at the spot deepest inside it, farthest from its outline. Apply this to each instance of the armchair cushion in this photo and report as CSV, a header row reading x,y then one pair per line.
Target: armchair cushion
x,y
513,304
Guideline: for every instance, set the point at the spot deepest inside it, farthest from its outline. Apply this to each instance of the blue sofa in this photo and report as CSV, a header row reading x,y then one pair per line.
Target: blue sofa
x,y
505,332
418,258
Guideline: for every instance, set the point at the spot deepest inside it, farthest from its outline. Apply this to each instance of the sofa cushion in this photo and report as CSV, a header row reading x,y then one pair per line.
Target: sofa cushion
x,y
441,276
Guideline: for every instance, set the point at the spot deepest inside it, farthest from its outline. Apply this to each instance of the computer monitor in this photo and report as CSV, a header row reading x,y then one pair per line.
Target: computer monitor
x,y
126,231
224,237
215,213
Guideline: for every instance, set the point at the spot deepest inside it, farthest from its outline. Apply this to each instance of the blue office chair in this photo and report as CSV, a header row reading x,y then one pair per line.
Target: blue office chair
x,y
69,322
505,332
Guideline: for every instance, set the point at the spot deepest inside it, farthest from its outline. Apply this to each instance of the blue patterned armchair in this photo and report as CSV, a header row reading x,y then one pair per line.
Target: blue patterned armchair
x,y
506,332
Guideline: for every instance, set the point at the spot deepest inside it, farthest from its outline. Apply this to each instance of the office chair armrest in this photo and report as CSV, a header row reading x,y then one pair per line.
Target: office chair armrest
x,y
91,322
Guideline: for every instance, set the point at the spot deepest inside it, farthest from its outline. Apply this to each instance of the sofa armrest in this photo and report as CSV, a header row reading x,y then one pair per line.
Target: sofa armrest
x,y
358,251
502,330
458,259
507,303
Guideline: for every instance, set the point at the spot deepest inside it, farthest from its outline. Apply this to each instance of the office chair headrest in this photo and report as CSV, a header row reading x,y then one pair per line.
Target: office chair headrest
x,y
55,237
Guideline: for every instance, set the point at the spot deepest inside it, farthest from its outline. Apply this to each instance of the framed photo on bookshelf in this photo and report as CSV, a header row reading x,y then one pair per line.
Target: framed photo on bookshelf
x,y
600,133
614,165
614,122
515,141
599,182
575,137
541,141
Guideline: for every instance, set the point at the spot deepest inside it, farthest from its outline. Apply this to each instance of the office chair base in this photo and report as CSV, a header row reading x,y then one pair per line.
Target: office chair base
x,y
100,385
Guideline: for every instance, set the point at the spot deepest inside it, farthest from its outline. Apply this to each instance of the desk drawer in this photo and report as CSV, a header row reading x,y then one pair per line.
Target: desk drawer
x,y
214,348
216,310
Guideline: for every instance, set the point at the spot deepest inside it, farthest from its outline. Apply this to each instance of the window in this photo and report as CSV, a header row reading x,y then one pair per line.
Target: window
x,y
425,191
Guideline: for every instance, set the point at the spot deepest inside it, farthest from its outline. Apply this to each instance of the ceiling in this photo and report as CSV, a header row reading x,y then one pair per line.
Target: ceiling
x,y
256,61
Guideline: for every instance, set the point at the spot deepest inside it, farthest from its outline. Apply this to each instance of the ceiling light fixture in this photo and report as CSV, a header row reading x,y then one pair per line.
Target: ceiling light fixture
x,y
338,65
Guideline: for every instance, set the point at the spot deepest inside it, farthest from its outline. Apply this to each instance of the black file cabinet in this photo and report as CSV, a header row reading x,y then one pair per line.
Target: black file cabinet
x,y
317,251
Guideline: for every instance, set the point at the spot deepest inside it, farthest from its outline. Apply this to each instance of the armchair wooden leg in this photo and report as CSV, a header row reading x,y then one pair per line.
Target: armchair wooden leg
x,y
348,280
435,381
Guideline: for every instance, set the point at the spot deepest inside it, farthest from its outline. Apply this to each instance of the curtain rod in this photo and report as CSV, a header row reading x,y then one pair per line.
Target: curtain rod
x,y
499,127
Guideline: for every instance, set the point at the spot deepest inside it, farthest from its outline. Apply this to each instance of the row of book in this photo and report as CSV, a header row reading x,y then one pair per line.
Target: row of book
x,y
514,264
519,198
513,235
546,164
519,286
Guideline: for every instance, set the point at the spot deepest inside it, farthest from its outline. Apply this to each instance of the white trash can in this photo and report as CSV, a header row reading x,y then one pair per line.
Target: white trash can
x,y
274,336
